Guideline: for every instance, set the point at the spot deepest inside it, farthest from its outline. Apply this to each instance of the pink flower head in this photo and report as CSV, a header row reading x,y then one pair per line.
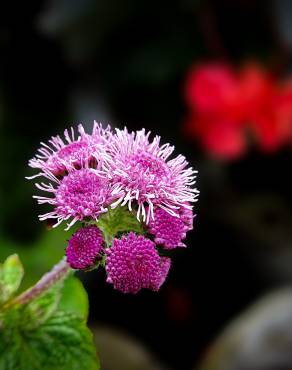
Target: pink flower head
x,y
61,155
169,230
133,263
187,216
84,247
142,173
82,193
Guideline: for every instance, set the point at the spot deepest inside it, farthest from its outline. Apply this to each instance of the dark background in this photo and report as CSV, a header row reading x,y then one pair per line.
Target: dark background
x,y
64,62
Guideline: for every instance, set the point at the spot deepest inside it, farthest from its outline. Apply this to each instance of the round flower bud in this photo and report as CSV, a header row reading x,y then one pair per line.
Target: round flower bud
x,y
133,263
169,230
84,247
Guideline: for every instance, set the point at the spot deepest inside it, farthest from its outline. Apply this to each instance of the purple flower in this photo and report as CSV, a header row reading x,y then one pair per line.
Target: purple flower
x,y
187,216
82,193
143,173
133,263
84,247
169,230
90,174
61,155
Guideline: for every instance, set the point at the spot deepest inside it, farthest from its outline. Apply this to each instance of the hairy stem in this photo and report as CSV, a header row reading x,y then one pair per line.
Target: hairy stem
x,y
58,272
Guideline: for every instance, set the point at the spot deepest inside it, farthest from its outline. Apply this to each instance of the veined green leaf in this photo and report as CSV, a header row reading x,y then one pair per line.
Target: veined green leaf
x,y
63,342
49,331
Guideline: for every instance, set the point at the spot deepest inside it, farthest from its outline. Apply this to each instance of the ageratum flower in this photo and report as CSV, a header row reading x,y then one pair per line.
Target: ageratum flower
x,y
122,183
169,231
133,263
60,155
143,173
82,194
84,247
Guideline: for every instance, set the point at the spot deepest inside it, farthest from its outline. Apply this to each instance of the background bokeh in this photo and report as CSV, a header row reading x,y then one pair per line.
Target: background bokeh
x,y
227,301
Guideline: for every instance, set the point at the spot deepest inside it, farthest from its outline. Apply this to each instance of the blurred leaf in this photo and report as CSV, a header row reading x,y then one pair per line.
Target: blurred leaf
x,y
37,258
41,308
11,274
74,297
41,334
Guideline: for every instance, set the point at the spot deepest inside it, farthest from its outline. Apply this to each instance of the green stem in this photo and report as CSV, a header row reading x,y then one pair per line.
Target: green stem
x,y
58,272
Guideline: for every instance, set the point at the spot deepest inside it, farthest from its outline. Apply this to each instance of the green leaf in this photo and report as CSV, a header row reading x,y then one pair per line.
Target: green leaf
x,y
37,258
48,333
11,274
74,297
63,342
41,308
116,221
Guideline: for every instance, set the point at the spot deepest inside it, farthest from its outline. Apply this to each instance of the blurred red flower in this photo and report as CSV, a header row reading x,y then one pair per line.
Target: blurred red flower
x,y
227,107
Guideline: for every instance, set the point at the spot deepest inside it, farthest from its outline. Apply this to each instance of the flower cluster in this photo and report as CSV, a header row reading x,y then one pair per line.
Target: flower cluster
x,y
134,263
129,194
227,107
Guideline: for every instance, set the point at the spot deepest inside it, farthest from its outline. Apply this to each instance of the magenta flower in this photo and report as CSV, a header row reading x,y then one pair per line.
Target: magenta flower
x,y
93,173
61,155
187,216
142,173
83,193
84,247
169,231
133,263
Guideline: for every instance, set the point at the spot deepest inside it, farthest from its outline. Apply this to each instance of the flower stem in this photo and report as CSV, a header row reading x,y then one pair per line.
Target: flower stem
x,y
58,272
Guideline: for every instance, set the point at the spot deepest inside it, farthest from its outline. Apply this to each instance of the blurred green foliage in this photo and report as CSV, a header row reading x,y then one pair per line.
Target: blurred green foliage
x,y
47,329
39,256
